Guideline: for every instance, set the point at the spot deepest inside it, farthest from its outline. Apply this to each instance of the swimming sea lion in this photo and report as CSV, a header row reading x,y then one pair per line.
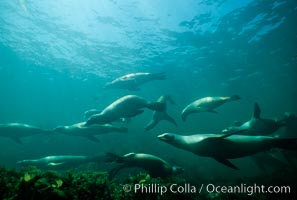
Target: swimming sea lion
x,y
89,132
156,166
228,146
16,131
206,104
159,116
91,112
257,125
125,107
60,161
133,81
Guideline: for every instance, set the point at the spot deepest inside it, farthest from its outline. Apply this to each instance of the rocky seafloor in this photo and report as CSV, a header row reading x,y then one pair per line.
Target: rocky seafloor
x,y
32,183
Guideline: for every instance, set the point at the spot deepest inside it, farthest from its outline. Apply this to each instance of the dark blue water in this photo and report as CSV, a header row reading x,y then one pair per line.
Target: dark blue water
x,y
56,56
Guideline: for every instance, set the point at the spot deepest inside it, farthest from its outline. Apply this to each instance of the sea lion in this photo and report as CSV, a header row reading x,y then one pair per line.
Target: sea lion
x,y
60,161
228,146
159,116
134,80
125,107
257,125
156,166
91,112
16,131
89,132
206,104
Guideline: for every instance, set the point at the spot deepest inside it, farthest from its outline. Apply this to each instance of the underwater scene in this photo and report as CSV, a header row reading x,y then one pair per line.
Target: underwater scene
x,y
148,99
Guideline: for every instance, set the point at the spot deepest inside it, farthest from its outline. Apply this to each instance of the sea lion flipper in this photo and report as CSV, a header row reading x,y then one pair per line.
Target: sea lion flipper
x,y
257,111
169,118
226,162
159,116
151,125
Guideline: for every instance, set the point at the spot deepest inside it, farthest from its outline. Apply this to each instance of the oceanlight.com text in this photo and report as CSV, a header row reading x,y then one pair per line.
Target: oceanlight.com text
x,y
208,188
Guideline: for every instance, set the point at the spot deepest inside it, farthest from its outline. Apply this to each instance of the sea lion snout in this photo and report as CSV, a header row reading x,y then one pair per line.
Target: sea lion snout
x,y
166,137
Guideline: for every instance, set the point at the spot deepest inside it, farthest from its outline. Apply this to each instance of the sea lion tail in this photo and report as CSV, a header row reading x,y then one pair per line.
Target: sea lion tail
x,y
234,97
154,122
112,157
